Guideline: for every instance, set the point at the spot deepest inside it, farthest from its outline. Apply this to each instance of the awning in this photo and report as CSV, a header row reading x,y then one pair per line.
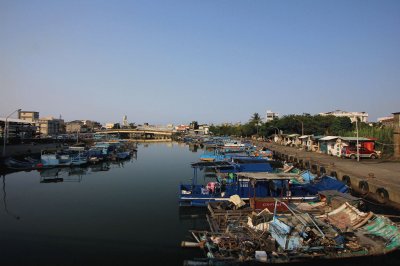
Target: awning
x,y
267,175
329,138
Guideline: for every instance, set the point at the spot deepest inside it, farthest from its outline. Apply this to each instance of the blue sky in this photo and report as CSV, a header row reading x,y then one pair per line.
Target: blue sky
x,y
211,61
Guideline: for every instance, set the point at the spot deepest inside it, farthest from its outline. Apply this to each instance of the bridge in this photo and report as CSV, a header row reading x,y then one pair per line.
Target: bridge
x,y
142,132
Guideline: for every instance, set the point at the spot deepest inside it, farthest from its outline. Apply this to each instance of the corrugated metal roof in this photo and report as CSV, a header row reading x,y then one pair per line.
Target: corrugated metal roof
x,y
267,175
329,138
355,139
14,120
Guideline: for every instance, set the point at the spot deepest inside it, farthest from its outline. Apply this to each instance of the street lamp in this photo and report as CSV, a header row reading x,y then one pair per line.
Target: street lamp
x,y
5,131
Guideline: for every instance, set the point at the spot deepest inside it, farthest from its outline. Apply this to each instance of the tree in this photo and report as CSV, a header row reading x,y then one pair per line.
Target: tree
x,y
255,119
340,125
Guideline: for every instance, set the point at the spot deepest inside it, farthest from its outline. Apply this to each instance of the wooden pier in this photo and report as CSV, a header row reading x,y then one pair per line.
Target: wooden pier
x,y
375,179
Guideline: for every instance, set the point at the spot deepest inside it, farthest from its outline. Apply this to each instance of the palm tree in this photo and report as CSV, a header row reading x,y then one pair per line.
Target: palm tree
x,y
256,120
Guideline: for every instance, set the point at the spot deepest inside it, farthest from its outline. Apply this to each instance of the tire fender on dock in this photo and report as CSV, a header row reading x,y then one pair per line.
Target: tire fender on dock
x,y
363,187
346,179
382,195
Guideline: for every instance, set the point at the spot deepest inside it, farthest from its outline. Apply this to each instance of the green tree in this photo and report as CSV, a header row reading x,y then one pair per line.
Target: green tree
x,y
340,125
255,119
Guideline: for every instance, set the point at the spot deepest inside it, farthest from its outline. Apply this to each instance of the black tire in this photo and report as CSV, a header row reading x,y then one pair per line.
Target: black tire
x,y
373,156
382,195
346,179
353,156
363,187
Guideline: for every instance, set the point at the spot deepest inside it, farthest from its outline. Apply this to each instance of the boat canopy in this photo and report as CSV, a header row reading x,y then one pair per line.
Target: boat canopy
x,y
267,175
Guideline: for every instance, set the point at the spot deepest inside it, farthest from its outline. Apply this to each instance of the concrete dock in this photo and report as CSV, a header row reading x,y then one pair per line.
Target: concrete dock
x,y
375,179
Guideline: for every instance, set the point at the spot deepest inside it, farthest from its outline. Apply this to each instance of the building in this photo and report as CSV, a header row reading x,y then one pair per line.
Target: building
x,y
48,126
30,116
361,116
110,125
17,128
387,121
269,116
82,126
329,145
76,126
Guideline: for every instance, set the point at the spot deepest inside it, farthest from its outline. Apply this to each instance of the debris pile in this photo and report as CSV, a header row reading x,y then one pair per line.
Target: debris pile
x,y
245,235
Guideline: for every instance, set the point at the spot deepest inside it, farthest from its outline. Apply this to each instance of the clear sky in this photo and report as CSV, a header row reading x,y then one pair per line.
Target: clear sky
x,y
211,61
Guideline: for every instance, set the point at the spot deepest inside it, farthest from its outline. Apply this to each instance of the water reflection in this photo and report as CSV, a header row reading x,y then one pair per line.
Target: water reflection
x,y
17,217
75,174
56,175
110,214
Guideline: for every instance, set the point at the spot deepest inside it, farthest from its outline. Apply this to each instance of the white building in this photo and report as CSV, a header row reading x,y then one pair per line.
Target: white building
x,y
269,116
110,125
361,116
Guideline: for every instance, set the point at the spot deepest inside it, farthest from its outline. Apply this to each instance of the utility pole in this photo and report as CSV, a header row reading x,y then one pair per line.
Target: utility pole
x,y
302,126
358,149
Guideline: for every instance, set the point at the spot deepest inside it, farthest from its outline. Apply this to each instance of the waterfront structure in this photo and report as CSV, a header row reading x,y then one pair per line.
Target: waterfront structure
x,y
269,116
30,116
361,116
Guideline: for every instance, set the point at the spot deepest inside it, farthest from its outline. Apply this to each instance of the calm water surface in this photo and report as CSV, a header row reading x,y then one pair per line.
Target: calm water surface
x,y
126,215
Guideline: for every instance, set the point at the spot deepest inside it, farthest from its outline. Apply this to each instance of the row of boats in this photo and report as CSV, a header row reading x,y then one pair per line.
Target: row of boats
x,y
74,156
262,210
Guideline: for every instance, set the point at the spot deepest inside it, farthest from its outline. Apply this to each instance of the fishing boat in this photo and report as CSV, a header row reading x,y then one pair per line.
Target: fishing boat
x,y
224,184
53,159
15,164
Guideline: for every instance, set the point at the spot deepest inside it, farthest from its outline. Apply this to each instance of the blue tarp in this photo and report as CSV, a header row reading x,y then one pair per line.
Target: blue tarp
x,y
326,183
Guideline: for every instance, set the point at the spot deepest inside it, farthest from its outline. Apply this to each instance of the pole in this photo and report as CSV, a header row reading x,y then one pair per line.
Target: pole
x,y
5,131
358,151
302,128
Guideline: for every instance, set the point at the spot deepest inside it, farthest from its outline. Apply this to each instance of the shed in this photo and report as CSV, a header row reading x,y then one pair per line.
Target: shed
x,y
329,145
305,141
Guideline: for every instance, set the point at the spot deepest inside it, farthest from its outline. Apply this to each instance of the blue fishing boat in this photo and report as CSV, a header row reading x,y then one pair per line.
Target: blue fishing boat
x,y
225,183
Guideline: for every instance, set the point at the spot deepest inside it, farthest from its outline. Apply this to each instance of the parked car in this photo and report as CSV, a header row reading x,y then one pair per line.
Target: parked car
x,y
351,152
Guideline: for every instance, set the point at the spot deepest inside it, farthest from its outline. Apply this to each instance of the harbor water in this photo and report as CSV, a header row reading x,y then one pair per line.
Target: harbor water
x,y
122,214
